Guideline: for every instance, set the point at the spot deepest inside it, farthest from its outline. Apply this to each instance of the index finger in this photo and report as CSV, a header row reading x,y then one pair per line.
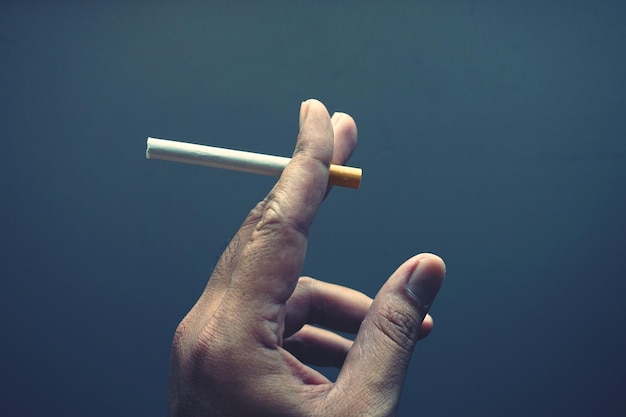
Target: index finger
x,y
271,261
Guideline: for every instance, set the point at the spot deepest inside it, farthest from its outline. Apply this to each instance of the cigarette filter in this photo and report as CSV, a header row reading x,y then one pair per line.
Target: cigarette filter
x,y
255,163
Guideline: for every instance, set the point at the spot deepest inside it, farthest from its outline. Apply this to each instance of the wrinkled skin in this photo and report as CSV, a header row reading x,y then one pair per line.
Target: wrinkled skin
x,y
245,347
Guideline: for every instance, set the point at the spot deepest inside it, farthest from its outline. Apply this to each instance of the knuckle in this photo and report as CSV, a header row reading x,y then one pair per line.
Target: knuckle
x,y
307,282
276,220
180,337
257,211
200,349
401,327
315,305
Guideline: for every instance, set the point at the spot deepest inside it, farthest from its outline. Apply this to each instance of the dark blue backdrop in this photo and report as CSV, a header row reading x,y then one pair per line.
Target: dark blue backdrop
x,y
491,133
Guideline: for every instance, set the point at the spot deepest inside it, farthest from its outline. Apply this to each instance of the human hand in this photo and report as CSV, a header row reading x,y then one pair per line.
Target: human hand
x,y
243,349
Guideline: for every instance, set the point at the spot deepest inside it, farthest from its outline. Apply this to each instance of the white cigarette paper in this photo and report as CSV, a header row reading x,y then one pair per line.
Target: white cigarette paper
x,y
255,163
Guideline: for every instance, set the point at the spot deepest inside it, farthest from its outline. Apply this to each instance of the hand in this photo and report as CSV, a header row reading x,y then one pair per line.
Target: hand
x,y
243,348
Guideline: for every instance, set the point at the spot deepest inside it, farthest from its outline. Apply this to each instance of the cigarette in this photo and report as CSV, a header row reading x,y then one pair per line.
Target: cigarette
x,y
254,163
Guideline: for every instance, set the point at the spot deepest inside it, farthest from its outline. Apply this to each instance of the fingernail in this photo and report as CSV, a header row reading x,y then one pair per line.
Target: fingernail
x,y
304,110
424,284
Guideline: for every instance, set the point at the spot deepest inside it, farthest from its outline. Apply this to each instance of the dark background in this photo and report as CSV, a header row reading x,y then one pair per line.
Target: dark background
x,y
491,133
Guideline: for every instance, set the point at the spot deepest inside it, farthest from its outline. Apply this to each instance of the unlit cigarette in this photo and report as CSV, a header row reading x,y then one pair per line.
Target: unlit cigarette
x,y
255,163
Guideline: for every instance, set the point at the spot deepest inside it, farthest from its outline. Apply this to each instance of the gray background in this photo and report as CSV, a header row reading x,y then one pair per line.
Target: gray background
x,y
491,133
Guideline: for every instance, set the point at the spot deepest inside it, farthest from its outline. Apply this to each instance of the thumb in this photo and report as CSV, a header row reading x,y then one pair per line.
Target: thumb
x,y
377,362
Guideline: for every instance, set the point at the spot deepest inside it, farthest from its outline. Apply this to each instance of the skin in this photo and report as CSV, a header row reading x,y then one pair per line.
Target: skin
x,y
245,347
